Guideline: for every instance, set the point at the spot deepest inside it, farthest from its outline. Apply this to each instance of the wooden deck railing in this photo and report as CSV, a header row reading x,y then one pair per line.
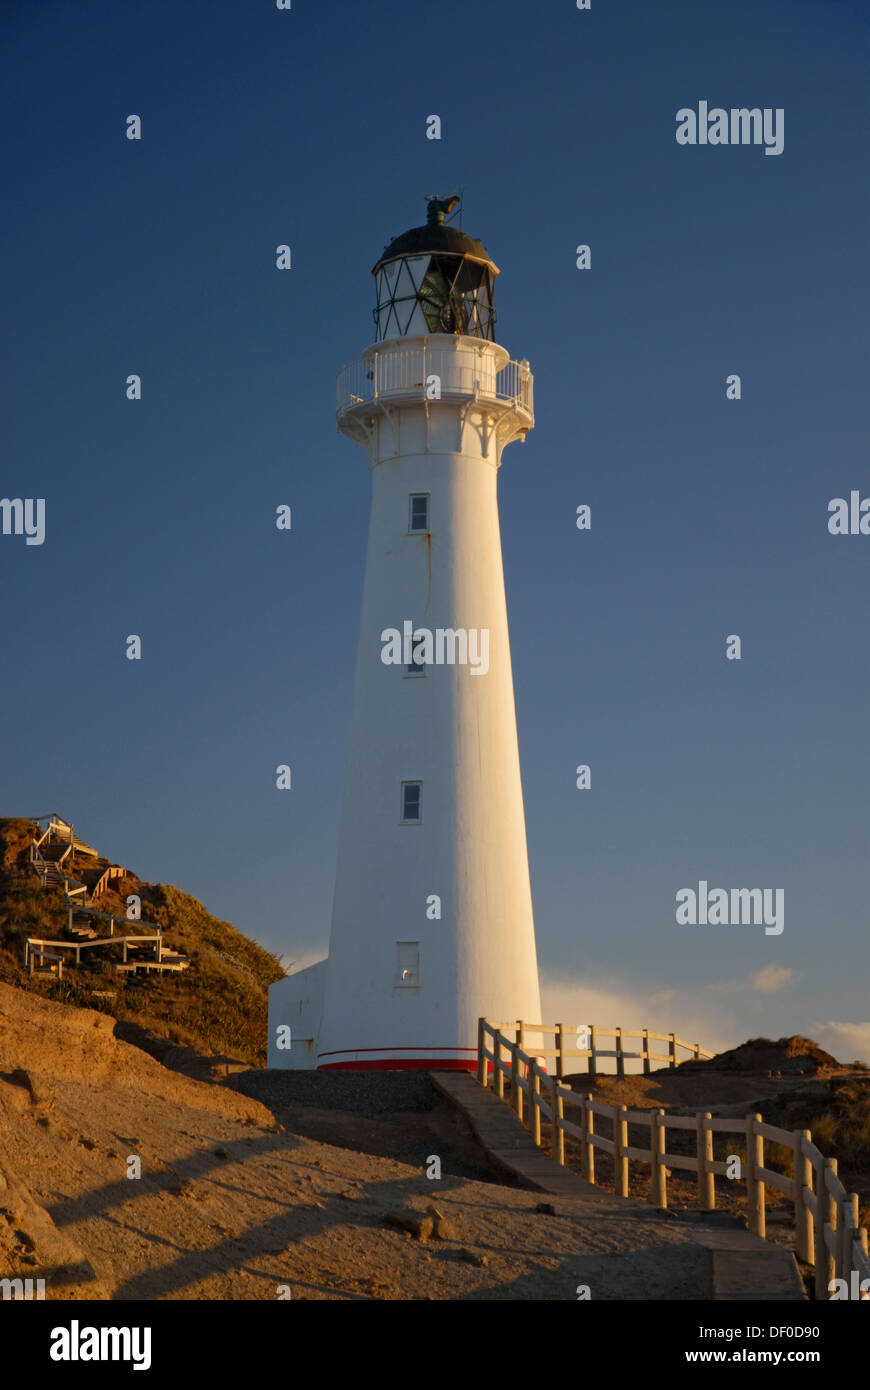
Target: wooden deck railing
x,y
48,870
828,1236
35,946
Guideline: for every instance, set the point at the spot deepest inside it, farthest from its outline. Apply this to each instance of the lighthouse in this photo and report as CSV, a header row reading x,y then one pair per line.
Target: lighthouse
x,y
432,923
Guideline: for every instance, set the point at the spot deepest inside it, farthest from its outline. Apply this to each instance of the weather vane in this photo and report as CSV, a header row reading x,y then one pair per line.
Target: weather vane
x,y
439,207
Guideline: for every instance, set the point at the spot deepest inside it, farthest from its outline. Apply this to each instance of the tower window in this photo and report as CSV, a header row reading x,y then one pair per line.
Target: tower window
x,y
416,666
411,808
407,964
419,512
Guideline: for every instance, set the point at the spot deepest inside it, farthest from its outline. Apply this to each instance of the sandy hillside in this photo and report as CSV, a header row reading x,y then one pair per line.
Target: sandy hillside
x,y
231,1204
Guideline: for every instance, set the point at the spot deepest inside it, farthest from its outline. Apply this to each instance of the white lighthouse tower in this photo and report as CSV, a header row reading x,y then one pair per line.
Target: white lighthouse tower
x,y
432,922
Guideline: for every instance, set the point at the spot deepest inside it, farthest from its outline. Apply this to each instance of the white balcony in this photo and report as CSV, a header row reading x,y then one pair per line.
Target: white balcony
x,y
465,369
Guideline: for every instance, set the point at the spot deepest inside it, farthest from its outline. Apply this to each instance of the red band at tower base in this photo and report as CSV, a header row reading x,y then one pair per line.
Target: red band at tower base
x,y
402,1064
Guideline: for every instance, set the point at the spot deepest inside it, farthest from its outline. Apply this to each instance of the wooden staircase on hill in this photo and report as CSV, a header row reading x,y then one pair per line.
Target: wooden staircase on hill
x,y
52,852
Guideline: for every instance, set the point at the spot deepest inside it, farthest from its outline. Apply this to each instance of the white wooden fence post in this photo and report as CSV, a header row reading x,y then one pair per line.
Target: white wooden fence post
x,y
515,1082
706,1179
829,1210
588,1148
754,1184
803,1217
821,1260
862,1241
592,1061
534,1108
558,1131
620,1144
850,1233
560,1043
481,1058
620,1054
659,1171
499,1074
645,1046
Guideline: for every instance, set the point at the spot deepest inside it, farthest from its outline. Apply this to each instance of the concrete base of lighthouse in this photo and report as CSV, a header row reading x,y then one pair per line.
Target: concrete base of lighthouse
x,y
295,1012
295,1009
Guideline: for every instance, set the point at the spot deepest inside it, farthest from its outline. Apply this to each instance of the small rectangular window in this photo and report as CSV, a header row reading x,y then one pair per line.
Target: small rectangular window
x,y
407,964
419,512
411,808
416,666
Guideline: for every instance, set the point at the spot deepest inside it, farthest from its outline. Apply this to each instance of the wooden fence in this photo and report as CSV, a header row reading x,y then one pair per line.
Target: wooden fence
x,y
588,1038
827,1234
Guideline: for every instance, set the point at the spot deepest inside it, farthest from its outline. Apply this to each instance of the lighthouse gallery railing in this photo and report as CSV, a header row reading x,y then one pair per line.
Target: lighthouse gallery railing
x,y
409,371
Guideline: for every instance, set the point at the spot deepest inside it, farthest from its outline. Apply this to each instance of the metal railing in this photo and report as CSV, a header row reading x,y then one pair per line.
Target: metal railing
x,y
462,371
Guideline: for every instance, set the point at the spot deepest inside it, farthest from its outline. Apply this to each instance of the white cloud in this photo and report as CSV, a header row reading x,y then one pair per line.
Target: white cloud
x,y
302,957
609,1002
721,1015
770,979
848,1042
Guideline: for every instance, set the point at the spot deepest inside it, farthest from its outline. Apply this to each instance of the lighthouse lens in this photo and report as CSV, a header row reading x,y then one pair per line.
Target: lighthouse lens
x,y
435,299
438,294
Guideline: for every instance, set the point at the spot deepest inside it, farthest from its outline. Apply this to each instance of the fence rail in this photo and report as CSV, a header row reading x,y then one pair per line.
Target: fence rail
x,y
591,1035
828,1236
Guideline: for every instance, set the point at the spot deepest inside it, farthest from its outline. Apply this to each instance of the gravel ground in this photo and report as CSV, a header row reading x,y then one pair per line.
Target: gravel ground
x,y
396,1115
370,1093
227,1204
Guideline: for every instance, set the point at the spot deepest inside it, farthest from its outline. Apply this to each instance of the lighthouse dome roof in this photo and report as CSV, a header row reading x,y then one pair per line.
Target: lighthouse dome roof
x,y
435,279
435,240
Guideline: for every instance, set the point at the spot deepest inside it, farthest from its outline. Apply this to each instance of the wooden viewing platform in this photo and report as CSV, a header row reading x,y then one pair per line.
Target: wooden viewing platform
x,y
50,849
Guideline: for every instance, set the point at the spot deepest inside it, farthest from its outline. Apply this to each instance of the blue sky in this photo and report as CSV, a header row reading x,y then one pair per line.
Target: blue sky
x,y
709,517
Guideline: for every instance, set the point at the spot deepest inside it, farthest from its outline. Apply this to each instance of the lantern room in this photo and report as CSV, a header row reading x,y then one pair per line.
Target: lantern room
x,y
435,279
